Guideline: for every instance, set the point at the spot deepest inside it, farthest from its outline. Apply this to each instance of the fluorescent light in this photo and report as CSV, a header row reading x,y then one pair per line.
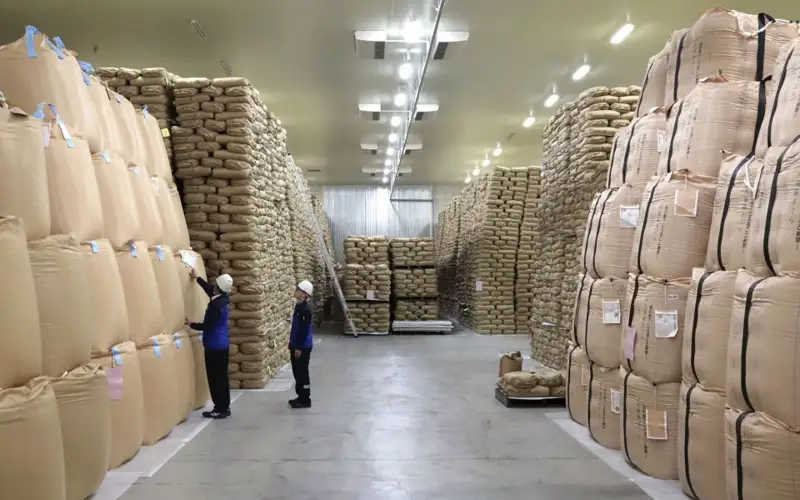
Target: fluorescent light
x,y
467,180
498,150
551,101
477,171
412,31
529,121
581,72
486,162
385,171
622,33
385,179
405,71
400,99
396,121
388,162
390,151
392,137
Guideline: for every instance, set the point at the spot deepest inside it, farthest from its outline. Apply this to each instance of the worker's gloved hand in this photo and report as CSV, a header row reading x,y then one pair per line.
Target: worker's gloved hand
x,y
193,273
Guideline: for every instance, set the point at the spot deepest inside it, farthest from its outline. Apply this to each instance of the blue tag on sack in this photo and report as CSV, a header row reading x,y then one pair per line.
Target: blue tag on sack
x,y
95,246
106,157
134,252
156,347
178,342
115,354
160,254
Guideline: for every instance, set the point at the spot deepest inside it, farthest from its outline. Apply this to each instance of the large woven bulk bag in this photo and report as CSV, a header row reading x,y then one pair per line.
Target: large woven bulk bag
x,y
31,450
652,341
121,364
598,319
120,212
194,298
673,49
130,139
155,156
759,451
716,116
144,190
84,412
609,232
172,231
107,295
733,208
106,122
158,361
141,293
201,394
783,105
636,151
788,224
762,351
604,405
184,374
578,385
182,240
674,222
655,81
65,305
743,47
173,311
707,323
650,425
75,205
701,442
20,333
23,192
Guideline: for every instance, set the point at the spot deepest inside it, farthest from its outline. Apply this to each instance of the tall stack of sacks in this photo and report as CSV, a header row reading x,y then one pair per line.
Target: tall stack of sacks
x,y
470,219
368,282
447,255
524,286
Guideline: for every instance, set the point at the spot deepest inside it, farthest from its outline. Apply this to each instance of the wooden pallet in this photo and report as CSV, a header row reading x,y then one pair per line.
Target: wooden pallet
x,y
518,402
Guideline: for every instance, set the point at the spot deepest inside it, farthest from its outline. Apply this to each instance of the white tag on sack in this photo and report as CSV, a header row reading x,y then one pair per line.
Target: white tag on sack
x,y
106,157
662,140
628,216
656,423
370,294
46,129
189,258
697,273
611,312
585,376
666,324
479,286
630,342
686,203
616,403
157,185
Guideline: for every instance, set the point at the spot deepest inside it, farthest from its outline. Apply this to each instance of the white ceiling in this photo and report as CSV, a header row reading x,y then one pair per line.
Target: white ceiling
x,y
301,55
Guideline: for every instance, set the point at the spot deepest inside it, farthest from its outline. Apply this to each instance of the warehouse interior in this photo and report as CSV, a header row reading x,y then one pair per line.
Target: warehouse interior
x,y
551,245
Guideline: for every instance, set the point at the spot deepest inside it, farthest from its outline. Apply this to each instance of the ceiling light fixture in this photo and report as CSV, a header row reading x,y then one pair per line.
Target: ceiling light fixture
x,y
400,99
486,160
388,162
396,121
498,150
581,72
622,33
390,151
385,179
386,171
405,71
467,180
413,30
551,101
529,121
477,171
392,137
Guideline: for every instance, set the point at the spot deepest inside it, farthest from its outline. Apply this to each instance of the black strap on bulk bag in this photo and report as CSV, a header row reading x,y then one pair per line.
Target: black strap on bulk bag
x,y
599,224
589,228
577,310
762,110
589,402
628,152
773,196
678,67
611,164
644,226
586,327
652,63
686,440
726,207
739,447
748,304
625,417
764,20
699,297
672,137
630,313
569,378
777,95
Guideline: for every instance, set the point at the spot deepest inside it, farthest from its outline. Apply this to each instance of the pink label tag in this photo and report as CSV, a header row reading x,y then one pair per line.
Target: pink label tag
x,y
630,342
114,376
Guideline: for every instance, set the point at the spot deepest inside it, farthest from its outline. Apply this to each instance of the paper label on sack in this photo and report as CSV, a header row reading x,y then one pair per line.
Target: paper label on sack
x,y
189,259
114,376
479,286
616,403
656,423
46,129
630,342
628,216
698,273
666,324
662,140
164,132
686,203
612,315
585,376
95,247
370,294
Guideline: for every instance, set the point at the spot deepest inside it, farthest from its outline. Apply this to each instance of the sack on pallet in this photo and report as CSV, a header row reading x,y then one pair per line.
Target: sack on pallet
x,y
154,155
674,223
701,442
84,413
23,192
604,405
743,47
608,238
158,362
578,385
201,393
145,316
762,348
194,298
184,374
756,449
636,151
598,319
126,402
31,448
650,425
144,190
169,289
106,294
510,362
20,332
131,143
120,213
652,337
65,305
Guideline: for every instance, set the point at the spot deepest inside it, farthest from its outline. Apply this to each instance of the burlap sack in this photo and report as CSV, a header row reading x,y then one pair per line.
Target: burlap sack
x,y
107,295
31,449
200,379
578,385
510,362
20,333
75,205
674,222
716,115
650,425
65,307
652,339
173,311
701,442
158,362
124,375
604,407
733,208
106,123
144,190
194,298
145,316
758,451
84,412
184,374
762,346
131,143
608,238
23,192
154,154
707,324
120,212
636,150
598,319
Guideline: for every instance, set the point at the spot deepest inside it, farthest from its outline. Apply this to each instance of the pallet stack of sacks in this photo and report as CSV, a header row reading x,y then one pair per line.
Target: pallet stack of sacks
x,y
368,283
524,286
446,258
323,289
88,222
414,280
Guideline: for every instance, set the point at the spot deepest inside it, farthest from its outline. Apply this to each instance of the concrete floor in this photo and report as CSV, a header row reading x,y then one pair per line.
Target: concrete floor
x,y
394,418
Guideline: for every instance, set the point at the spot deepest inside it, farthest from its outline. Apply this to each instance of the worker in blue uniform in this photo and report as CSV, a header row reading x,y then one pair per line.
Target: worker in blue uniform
x,y
301,341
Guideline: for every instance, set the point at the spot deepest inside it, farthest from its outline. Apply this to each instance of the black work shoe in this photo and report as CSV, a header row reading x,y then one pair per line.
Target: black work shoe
x,y
217,415
300,403
293,402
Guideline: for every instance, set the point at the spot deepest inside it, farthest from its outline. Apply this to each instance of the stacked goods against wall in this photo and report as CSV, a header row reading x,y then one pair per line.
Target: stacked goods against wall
x,y
323,289
414,279
368,283
447,256
524,286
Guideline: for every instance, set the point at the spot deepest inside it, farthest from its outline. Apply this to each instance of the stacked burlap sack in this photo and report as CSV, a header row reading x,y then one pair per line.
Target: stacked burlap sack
x,y
526,256
367,282
414,283
446,258
323,288
412,252
416,310
539,382
305,251
369,317
366,250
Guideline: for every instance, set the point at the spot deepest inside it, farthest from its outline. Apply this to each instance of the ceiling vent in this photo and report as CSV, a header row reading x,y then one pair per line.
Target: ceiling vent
x,y
199,28
374,148
380,45
226,68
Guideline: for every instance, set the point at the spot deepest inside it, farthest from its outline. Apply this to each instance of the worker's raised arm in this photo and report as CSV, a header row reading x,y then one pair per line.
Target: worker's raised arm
x,y
205,286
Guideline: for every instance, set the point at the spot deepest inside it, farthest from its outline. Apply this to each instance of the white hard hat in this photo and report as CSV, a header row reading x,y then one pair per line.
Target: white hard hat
x,y
306,286
225,282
